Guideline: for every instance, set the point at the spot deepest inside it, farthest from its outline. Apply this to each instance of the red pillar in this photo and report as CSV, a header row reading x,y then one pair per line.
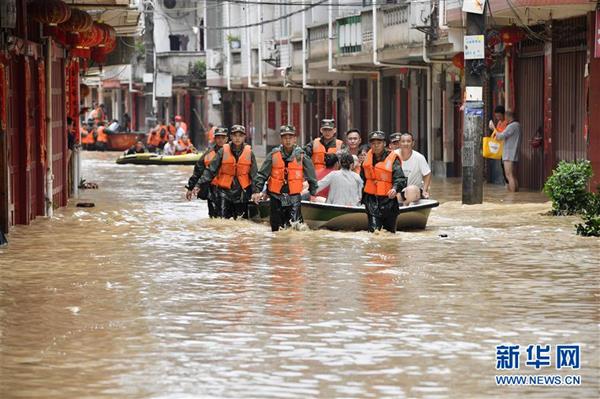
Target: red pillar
x,y
593,84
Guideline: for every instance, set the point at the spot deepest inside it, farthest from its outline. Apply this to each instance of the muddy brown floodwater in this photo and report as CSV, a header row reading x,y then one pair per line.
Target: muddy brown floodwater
x,y
144,296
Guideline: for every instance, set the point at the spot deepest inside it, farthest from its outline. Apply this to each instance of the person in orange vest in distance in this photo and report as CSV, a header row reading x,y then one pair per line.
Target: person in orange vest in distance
x,y
184,146
87,138
101,137
210,134
206,192
383,177
171,128
153,140
98,114
180,126
232,171
284,170
325,146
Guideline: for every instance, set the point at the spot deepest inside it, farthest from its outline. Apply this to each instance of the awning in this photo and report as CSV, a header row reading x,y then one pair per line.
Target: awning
x,y
119,14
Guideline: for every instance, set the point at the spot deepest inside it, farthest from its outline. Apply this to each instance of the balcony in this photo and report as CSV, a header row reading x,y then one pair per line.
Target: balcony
x,y
178,62
400,24
317,42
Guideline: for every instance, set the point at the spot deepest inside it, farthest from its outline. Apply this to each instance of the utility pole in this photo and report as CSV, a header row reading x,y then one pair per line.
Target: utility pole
x,y
149,67
472,160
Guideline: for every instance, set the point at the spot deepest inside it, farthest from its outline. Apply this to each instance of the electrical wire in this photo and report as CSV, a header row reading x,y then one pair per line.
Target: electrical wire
x,y
531,33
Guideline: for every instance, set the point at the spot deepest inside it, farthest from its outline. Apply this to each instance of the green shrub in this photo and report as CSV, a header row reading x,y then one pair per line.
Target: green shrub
x,y
567,187
198,70
591,217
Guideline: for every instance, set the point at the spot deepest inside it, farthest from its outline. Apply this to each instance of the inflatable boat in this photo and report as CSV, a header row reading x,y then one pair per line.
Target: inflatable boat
x,y
148,158
349,218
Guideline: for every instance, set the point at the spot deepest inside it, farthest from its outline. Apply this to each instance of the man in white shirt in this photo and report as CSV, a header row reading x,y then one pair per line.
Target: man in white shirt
x,y
415,168
170,146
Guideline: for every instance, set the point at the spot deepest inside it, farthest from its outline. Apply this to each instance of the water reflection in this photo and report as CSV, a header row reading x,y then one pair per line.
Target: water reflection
x,y
144,296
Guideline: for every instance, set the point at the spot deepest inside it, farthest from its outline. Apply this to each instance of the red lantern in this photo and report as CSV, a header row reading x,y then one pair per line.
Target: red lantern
x,y
511,35
49,12
108,34
80,21
91,38
459,60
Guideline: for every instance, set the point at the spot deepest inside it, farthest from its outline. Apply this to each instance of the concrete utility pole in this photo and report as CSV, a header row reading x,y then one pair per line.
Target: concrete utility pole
x,y
149,69
472,160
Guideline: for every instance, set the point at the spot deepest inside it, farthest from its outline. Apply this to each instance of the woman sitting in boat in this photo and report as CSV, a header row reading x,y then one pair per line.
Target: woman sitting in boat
x,y
384,179
331,165
138,148
345,185
184,146
170,145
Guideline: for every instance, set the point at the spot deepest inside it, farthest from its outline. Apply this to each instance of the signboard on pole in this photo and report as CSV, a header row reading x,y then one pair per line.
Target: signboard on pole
x,y
164,84
474,6
474,47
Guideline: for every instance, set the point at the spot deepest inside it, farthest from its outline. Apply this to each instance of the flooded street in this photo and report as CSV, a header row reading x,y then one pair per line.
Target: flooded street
x,y
144,296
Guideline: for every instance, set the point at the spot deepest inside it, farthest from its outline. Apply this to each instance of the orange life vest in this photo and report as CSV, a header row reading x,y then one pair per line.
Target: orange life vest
x,y
187,148
102,137
231,168
280,174
153,139
88,138
379,176
318,152
501,126
209,157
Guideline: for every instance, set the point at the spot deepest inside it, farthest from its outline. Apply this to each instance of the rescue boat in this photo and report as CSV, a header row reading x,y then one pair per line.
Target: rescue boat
x,y
149,158
349,218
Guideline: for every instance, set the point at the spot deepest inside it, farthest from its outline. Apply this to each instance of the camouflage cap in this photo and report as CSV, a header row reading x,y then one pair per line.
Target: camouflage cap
x,y
327,124
238,128
395,137
287,129
221,131
377,135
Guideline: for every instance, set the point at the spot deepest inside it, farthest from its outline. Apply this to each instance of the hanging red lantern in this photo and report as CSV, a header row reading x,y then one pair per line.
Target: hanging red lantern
x,y
91,38
49,12
511,35
459,60
108,34
80,21
100,54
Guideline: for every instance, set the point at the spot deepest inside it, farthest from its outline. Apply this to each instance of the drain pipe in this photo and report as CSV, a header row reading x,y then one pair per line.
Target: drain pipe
x,y
49,171
260,44
228,46
248,49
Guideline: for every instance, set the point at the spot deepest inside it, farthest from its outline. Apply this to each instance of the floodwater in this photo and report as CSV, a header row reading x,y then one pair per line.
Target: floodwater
x,y
143,296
